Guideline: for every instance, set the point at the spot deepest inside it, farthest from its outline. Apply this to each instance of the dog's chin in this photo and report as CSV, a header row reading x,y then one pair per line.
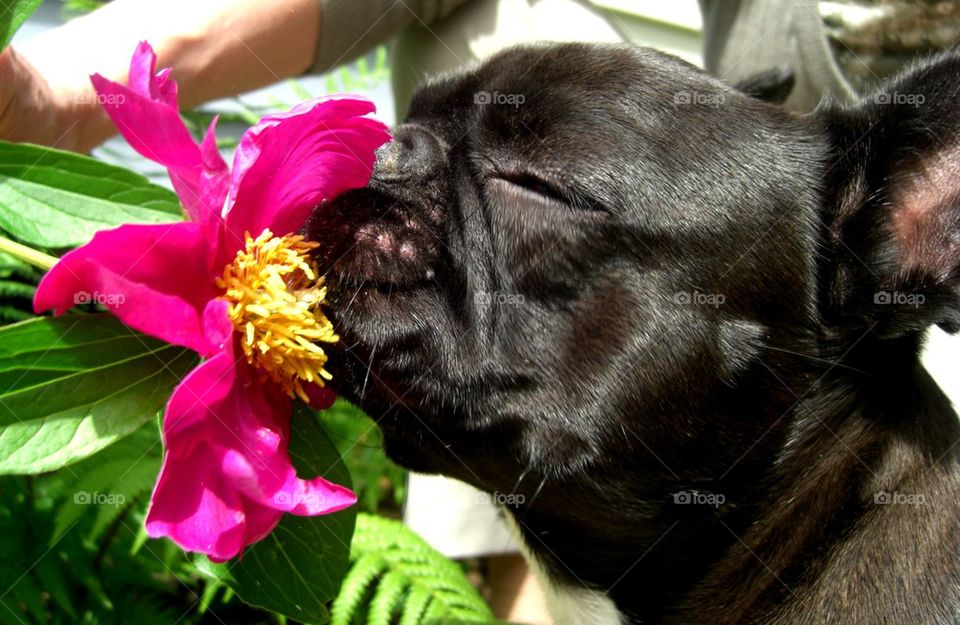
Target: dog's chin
x,y
380,265
380,376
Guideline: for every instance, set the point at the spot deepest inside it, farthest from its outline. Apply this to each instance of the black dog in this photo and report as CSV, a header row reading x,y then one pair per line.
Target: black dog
x,y
679,324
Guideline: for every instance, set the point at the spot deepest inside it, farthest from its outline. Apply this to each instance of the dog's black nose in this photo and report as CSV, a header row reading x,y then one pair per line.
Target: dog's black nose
x,y
414,154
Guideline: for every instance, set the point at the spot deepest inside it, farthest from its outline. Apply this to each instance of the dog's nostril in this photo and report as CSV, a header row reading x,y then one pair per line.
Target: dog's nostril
x,y
388,159
413,153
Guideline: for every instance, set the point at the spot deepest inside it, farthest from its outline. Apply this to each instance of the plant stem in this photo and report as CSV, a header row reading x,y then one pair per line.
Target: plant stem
x,y
27,254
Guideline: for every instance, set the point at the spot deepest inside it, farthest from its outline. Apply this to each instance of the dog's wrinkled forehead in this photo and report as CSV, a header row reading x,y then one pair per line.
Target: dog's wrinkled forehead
x,y
627,114
527,91
608,77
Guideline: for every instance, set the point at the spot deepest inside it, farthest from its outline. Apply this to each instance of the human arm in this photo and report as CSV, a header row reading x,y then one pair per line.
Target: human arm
x,y
219,47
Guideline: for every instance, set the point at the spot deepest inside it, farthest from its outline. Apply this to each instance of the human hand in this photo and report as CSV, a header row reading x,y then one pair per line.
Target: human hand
x,y
32,111
224,48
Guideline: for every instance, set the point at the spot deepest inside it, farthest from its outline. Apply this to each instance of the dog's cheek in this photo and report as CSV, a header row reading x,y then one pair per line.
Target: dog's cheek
x,y
739,345
539,241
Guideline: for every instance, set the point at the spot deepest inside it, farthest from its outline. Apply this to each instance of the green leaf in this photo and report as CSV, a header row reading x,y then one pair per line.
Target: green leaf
x,y
297,569
13,13
70,386
56,199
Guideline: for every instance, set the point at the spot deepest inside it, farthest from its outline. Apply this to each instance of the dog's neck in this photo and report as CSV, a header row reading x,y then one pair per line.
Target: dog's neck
x,y
866,478
746,545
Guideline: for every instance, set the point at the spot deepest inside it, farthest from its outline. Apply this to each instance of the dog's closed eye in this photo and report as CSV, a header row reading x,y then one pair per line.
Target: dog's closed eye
x,y
531,189
533,184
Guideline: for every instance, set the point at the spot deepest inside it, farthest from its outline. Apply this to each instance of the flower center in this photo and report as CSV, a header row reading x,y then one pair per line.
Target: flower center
x,y
275,296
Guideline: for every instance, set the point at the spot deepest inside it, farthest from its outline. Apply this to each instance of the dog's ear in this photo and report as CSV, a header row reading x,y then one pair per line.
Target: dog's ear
x,y
892,220
773,85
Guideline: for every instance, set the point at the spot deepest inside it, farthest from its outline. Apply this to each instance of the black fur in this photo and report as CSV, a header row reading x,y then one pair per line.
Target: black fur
x,y
607,299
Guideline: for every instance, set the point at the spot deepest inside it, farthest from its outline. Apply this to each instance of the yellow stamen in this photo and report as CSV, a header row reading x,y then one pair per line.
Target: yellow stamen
x,y
275,296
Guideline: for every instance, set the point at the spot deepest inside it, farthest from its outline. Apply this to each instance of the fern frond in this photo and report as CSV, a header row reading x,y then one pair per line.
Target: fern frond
x,y
10,289
17,285
11,314
11,267
353,589
396,576
417,602
435,615
125,470
149,610
391,590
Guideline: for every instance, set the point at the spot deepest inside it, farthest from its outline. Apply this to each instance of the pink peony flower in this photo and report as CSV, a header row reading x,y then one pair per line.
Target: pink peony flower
x,y
234,284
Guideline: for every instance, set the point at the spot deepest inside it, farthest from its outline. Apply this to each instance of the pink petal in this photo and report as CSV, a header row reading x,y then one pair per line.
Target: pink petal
x,y
146,114
321,397
142,79
227,477
202,514
311,497
156,278
217,326
290,162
